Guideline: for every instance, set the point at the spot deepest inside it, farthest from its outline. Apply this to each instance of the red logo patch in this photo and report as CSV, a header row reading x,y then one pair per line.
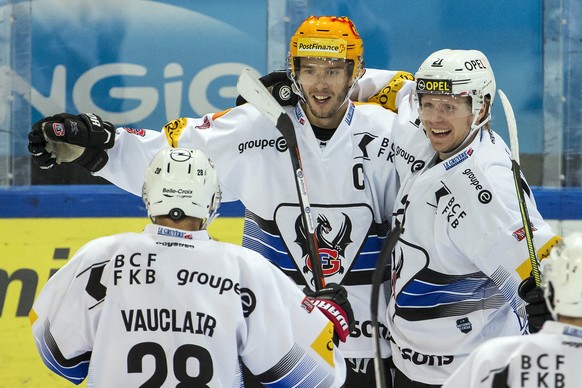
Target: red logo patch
x,y
59,129
307,304
520,233
205,124
139,132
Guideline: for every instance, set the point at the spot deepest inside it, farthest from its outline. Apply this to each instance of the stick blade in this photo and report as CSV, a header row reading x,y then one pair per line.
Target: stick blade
x,y
511,126
251,89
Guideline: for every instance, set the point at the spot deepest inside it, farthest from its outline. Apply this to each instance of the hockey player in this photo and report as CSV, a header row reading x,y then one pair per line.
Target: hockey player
x,y
550,358
345,150
171,307
462,252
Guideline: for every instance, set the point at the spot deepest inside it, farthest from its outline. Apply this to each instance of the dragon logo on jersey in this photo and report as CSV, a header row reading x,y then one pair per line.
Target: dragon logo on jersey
x,y
331,247
347,240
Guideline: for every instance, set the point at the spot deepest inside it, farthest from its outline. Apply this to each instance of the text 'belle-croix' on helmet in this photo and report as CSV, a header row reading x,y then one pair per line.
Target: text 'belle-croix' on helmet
x,y
562,277
457,72
327,37
181,182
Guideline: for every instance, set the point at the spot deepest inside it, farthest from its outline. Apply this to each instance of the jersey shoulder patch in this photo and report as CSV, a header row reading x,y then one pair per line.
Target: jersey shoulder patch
x,y
173,130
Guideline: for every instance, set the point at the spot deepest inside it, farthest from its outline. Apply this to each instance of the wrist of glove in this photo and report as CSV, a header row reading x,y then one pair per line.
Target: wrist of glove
x,y
333,302
536,308
67,138
280,87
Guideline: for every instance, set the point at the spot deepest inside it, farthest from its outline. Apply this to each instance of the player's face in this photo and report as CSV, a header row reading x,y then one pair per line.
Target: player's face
x,y
325,84
447,120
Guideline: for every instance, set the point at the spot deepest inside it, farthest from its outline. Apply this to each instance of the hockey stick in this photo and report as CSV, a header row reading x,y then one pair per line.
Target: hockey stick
x,y
377,280
514,146
252,90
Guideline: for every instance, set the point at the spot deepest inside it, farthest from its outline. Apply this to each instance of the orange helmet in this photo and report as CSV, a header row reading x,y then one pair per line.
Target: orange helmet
x,y
328,37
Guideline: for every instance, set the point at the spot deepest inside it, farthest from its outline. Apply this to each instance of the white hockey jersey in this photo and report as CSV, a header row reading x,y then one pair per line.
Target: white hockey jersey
x,y
167,306
549,358
351,186
462,253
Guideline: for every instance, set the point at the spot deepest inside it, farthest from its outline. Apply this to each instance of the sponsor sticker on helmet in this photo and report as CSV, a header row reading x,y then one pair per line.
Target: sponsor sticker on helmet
x,y
180,155
320,47
434,86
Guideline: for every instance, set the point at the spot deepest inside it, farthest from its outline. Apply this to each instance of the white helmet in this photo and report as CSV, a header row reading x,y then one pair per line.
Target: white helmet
x,y
181,182
458,72
562,277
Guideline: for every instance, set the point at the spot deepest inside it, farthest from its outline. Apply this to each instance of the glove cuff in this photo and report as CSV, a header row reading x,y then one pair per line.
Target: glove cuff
x,y
93,159
102,132
336,315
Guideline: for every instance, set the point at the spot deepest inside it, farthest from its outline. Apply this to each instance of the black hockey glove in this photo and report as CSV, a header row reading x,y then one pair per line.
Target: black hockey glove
x,y
279,85
67,138
536,308
333,302
37,146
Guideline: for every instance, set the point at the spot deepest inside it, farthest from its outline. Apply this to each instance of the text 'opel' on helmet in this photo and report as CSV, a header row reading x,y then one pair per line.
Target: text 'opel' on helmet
x,y
460,73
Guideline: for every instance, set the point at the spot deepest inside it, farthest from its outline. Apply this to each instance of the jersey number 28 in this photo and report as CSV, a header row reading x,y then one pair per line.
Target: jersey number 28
x,y
180,359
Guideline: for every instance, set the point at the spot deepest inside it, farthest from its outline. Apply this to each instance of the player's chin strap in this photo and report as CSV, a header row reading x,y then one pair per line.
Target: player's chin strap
x,y
470,136
298,91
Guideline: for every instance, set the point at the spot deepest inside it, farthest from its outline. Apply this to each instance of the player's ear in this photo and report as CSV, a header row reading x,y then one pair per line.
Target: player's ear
x,y
484,108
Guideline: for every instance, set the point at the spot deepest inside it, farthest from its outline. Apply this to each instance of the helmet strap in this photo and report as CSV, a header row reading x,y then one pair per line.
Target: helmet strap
x,y
298,90
213,211
470,136
548,296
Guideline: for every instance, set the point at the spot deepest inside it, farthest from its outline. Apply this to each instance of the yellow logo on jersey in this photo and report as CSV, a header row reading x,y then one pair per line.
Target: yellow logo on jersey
x,y
387,95
173,130
323,344
524,269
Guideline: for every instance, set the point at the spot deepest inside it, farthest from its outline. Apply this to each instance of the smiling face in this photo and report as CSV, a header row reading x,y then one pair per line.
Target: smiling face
x,y
325,84
446,119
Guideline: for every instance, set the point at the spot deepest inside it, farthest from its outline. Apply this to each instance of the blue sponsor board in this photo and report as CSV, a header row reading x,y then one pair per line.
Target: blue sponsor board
x,y
401,34
95,201
142,63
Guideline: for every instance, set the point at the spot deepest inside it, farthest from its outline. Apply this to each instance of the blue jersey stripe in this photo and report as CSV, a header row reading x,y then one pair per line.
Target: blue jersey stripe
x,y
422,294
